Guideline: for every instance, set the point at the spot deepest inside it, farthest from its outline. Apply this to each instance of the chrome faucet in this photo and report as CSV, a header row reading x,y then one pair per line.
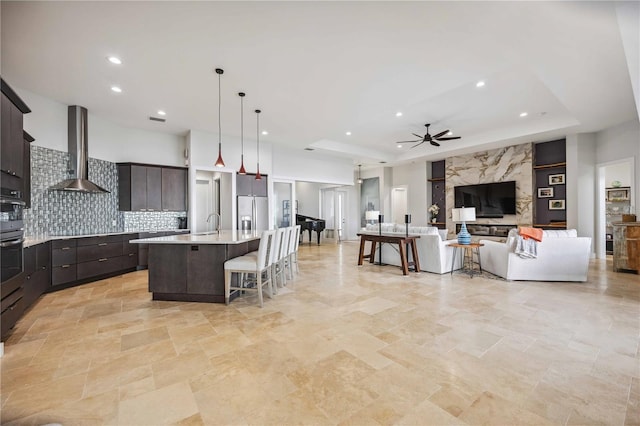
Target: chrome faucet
x,y
219,220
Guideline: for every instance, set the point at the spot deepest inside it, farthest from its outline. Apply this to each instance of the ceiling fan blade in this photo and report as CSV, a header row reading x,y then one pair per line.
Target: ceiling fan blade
x,y
449,139
409,141
434,143
418,144
440,134
418,136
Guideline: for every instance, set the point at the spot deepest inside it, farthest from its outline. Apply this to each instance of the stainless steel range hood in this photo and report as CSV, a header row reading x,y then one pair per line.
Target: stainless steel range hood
x,y
78,155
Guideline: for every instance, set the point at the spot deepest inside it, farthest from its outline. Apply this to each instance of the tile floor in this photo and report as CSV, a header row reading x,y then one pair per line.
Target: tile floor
x,y
341,345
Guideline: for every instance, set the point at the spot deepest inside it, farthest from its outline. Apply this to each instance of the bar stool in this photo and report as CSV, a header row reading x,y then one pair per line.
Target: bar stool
x,y
252,264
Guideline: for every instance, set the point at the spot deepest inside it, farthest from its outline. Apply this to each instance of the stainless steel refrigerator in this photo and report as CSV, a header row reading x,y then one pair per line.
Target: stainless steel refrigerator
x,y
255,209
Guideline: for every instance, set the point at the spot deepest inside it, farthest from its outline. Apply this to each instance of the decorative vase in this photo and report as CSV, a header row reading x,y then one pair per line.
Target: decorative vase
x,y
464,237
434,220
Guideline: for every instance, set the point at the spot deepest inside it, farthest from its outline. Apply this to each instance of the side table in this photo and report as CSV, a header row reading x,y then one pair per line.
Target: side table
x,y
468,257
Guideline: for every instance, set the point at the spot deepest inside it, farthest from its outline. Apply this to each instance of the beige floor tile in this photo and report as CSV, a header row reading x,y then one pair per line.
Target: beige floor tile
x,y
167,405
491,408
362,345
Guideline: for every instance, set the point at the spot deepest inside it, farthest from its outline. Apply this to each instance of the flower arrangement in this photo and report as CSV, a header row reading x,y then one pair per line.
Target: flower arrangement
x,y
434,209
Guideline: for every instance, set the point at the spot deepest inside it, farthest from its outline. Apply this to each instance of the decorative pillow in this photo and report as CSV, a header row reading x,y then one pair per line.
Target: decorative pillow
x,y
559,233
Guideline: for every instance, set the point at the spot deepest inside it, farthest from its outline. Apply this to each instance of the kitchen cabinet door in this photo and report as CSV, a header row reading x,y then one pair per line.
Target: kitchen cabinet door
x,y
12,139
174,189
260,187
138,188
154,189
248,185
26,180
205,269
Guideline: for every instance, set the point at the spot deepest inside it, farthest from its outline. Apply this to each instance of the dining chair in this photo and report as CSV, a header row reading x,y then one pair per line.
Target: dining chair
x,y
259,265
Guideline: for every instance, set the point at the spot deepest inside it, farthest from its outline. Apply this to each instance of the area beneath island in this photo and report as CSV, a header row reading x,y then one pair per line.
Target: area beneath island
x,y
190,268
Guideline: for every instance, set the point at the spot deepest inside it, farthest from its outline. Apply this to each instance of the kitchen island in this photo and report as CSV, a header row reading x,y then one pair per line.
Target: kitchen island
x,y
190,268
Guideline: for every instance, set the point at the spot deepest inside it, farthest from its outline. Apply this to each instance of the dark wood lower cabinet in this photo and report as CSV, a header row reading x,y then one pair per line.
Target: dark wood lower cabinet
x,y
191,272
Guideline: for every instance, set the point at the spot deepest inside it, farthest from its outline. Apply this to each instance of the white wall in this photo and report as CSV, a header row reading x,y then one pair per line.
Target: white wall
x,y
308,196
619,172
581,185
47,123
414,176
310,166
618,143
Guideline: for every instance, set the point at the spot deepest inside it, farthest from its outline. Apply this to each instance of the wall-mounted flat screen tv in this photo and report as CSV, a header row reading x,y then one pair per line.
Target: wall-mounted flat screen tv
x,y
489,199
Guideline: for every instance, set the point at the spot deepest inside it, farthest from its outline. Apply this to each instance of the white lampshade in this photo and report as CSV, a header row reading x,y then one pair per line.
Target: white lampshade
x,y
371,215
464,214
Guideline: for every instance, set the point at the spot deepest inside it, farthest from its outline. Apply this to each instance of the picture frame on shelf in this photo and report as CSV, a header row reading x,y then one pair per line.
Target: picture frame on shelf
x,y
618,194
557,179
545,192
556,205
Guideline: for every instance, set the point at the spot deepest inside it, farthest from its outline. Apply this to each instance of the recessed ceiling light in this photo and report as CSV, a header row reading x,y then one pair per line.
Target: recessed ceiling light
x,y
399,146
114,60
348,133
524,114
398,114
116,89
264,132
161,112
450,133
480,84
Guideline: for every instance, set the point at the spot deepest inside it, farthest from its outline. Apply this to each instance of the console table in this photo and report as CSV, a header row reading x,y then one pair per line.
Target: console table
x,y
401,240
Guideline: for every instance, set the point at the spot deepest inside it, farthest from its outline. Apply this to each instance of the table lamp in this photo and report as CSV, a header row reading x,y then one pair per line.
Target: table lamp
x,y
463,215
371,215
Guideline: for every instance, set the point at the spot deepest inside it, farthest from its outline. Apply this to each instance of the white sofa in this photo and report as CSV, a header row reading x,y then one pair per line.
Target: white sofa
x,y
562,256
433,253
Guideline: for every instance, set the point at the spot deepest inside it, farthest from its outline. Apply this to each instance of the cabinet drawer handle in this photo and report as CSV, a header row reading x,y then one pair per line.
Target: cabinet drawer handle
x,y
65,248
44,267
28,277
104,259
149,210
102,244
65,266
131,254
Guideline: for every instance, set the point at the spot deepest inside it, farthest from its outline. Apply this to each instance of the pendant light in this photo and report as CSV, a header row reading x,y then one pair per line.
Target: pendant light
x,y
242,171
219,161
258,177
359,170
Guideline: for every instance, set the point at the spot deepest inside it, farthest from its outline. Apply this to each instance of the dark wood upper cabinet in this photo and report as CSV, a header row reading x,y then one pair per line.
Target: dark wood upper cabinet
x,y
138,188
174,189
144,187
154,189
26,180
248,185
12,140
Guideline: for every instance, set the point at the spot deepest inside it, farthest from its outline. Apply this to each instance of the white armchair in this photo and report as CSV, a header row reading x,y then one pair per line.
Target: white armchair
x,y
562,256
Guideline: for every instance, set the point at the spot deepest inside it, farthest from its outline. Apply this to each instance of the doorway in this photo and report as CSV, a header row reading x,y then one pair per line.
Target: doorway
x,y
207,201
618,176
284,205
398,204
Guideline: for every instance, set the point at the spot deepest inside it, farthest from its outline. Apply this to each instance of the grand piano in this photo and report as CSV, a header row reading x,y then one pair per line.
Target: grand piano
x,y
310,224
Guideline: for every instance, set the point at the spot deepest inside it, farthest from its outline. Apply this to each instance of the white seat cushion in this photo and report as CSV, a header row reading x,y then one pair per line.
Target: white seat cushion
x,y
560,233
245,262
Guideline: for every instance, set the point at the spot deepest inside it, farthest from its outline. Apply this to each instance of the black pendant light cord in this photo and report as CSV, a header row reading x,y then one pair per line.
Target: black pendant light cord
x,y
219,106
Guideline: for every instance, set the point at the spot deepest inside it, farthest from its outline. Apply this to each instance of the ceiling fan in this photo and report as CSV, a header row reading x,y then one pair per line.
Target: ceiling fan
x,y
433,140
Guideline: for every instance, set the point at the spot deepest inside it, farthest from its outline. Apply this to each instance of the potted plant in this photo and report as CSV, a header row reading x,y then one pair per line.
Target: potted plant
x,y
434,209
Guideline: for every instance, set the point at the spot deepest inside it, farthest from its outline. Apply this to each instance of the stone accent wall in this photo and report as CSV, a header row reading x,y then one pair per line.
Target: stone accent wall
x,y
496,165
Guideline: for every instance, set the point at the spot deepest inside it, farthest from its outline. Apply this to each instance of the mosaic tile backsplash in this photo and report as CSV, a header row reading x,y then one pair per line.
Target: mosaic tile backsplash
x,y
75,213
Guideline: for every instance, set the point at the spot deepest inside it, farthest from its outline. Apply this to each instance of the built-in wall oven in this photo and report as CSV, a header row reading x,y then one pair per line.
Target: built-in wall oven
x,y
11,236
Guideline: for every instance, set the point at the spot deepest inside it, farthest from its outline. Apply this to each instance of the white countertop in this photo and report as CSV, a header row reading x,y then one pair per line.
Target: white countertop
x,y
225,237
32,241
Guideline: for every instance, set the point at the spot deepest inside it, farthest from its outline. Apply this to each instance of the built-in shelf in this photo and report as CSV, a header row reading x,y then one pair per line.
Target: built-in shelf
x,y
441,179
562,225
549,166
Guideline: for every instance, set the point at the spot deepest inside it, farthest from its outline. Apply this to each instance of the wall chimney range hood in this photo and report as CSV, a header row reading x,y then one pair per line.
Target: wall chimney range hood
x,y
78,146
